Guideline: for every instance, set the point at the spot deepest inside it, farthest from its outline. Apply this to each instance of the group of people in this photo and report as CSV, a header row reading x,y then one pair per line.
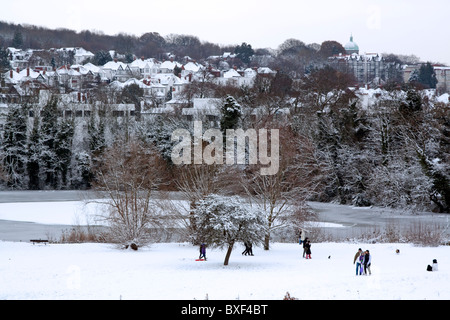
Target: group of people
x,y
248,249
363,260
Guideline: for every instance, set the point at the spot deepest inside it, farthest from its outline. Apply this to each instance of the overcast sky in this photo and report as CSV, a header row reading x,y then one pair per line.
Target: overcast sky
x,y
385,26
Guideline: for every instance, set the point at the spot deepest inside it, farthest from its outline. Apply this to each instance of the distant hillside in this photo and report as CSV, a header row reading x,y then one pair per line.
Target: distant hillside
x,y
150,44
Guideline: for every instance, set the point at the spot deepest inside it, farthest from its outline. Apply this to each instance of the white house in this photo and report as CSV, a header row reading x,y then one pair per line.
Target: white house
x,y
81,55
145,67
116,70
204,109
169,66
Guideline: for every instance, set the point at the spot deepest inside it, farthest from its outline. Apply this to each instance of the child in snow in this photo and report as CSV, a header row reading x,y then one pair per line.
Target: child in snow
x,y
434,267
202,251
308,249
358,260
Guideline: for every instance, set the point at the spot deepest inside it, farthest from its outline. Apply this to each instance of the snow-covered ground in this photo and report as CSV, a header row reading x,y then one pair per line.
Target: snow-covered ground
x,y
169,271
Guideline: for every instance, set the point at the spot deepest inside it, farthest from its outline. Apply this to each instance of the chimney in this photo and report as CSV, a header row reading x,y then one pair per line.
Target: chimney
x,y
28,72
11,74
79,96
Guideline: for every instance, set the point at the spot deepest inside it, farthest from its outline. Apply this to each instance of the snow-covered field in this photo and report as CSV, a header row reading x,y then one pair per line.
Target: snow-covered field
x,y
169,271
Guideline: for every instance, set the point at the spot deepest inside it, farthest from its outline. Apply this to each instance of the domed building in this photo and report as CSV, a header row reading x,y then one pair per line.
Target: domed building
x,y
351,47
368,68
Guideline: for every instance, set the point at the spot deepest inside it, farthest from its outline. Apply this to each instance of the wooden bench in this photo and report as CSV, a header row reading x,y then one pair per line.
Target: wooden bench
x,y
39,241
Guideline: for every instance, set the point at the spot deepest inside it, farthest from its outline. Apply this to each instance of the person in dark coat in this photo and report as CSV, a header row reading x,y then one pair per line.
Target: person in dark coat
x,y
304,246
367,262
308,249
248,249
202,251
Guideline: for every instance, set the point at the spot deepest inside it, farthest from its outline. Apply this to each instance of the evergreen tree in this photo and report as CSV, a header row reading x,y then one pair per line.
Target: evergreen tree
x,y
231,114
412,103
414,77
34,152
244,52
101,58
63,150
49,129
82,173
4,61
15,144
97,144
17,41
427,76
96,135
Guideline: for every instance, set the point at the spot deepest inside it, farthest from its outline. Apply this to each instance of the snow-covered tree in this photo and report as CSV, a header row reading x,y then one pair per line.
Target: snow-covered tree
x,y
231,114
159,132
33,154
14,145
63,151
223,221
48,132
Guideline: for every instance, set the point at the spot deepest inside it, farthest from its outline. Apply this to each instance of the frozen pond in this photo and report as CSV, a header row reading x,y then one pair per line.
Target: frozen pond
x,y
26,215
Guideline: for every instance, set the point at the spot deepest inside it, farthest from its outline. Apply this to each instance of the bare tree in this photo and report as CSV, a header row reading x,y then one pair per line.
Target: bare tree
x,y
282,196
3,174
129,176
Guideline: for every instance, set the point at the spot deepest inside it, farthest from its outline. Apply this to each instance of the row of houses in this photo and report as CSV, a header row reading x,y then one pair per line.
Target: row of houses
x,y
160,80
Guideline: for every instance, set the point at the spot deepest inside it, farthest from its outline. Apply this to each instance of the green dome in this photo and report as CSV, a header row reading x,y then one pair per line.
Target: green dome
x,y
351,47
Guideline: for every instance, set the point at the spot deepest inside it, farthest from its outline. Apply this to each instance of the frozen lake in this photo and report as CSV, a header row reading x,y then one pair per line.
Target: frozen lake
x,y
342,221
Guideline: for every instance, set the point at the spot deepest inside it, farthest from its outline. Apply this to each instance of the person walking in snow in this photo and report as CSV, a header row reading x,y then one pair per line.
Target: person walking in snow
x,y
202,251
304,246
248,249
358,260
308,249
367,262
